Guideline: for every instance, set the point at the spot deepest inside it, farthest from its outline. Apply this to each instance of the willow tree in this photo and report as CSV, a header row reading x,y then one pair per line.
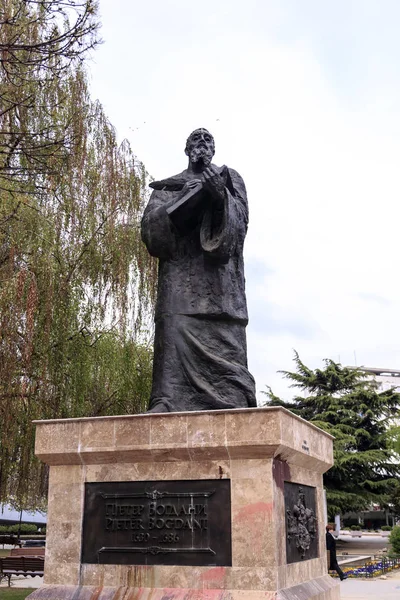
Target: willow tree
x,y
40,40
76,284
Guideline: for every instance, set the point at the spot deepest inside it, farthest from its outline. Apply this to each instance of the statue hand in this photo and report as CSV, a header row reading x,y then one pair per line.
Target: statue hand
x,y
214,183
189,185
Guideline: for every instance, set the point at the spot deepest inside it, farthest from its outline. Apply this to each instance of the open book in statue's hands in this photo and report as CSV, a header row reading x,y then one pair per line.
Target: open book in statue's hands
x,y
186,212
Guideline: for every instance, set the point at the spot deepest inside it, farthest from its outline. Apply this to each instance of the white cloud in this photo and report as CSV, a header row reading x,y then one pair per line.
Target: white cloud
x,y
320,163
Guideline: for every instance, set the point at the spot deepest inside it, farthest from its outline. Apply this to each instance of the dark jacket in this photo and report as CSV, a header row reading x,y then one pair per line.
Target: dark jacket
x,y
331,546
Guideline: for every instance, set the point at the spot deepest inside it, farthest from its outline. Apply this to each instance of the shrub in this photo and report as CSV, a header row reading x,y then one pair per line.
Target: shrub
x,y
386,528
355,528
22,528
394,539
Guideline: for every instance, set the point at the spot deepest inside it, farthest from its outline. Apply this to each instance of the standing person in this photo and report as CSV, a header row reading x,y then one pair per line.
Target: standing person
x,y
195,224
331,546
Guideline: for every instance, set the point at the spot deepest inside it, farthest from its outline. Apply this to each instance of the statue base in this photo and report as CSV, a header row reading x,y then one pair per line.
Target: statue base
x,y
234,497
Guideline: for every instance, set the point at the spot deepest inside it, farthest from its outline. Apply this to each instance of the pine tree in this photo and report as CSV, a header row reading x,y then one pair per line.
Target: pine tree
x,y
77,285
346,403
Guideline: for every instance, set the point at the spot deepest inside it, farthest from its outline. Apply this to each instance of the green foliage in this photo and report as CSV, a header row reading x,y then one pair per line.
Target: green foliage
x,y
346,404
386,528
22,528
394,539
77,286
39,42
395,438
394,499
355,528
15,594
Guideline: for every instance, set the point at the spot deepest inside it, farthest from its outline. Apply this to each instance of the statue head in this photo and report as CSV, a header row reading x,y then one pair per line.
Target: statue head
x,y
200,147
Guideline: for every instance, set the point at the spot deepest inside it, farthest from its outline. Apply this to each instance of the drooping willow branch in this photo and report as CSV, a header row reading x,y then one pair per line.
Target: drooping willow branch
x,y
77,286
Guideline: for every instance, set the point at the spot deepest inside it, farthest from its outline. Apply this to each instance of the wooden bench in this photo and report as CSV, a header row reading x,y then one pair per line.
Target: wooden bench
x,y
36,551
21,565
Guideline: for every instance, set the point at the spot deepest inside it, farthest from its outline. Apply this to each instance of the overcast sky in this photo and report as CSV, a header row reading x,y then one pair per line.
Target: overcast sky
x,y
303,98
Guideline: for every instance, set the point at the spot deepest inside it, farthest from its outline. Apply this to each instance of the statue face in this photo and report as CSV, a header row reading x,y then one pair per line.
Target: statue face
x,y
200,147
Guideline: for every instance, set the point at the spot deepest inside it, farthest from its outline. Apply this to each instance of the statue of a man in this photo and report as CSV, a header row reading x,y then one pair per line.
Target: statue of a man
x,y
195,224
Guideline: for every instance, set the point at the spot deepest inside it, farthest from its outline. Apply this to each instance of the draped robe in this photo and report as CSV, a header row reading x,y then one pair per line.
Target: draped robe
x,y
200,356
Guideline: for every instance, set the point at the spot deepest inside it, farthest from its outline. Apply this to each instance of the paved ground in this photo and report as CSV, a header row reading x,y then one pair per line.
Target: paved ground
x,y
351,589
376,589
363,545
22,582
373,589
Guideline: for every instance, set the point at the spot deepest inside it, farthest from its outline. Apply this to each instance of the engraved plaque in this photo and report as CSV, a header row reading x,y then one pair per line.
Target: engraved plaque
x,y
301,522
158,523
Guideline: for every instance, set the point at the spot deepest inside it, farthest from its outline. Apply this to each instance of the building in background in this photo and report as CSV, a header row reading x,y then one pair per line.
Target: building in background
x,y
372,519
386,378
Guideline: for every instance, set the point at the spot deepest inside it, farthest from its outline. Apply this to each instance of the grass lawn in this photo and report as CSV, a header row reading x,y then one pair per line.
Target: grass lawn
x,y
4,552
15,594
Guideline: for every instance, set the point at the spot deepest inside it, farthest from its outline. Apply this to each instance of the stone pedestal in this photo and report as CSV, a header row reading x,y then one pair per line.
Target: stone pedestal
x,y
257,450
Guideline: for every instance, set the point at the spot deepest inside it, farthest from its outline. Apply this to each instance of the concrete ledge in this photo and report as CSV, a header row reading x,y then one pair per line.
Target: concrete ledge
x,y
194,436
125,593
323,588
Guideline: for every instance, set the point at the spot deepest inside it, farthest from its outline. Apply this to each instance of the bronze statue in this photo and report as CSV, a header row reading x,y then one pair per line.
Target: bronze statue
x,y
195,224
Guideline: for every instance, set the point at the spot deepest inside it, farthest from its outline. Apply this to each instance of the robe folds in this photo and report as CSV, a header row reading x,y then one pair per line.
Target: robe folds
x,y
200,357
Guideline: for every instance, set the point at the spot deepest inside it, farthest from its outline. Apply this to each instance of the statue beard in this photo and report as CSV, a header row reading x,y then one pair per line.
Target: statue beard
x,y
201,156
